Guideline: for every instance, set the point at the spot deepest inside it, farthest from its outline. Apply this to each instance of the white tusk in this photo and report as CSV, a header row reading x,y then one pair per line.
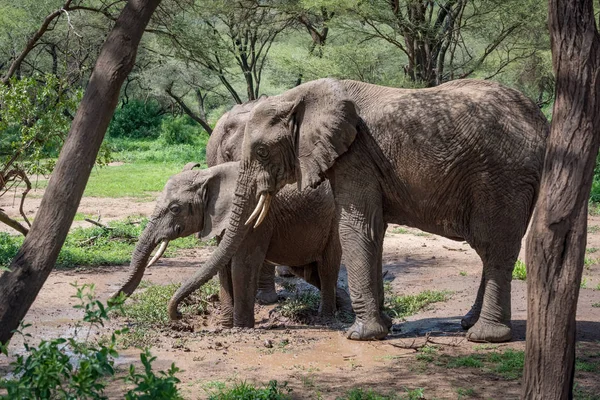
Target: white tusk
x,y
159,253
264,211
257,210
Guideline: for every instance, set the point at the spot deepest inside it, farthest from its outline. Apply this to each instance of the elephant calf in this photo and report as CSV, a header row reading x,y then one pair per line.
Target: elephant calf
x,y
299,231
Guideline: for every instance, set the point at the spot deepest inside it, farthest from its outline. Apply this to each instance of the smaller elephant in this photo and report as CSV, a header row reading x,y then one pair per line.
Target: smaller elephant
x,y
200,201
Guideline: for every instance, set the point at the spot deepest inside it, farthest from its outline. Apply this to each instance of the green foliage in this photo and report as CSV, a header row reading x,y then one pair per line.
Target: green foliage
x,y
149,306
507,364
520,271
70,369
148,385
136,120
179,130
95,246
404,306
300,306
34,121
245,391
362,394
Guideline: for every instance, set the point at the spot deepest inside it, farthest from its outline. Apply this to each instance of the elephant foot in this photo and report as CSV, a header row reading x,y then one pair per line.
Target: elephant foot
x,y
387,321
226,322
491,332
174,314
470,318
265,297
372,330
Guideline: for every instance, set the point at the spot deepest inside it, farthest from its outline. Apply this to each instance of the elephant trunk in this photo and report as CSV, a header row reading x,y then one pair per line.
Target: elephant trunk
x,y
243,200
139,260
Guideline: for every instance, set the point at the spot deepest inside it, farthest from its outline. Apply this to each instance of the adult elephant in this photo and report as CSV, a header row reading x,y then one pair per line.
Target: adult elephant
x,y
225,145
462,160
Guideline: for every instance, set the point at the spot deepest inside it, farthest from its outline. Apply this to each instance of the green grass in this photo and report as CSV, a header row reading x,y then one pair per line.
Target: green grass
x,y
399,230
507,364
407,305
148,307
246,391
95,246
300,306
463,273
593,229
520,271
462,393
591,250
369,394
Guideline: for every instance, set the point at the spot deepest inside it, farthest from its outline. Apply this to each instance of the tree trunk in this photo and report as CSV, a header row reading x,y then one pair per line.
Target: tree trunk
x,y
556,243
34,261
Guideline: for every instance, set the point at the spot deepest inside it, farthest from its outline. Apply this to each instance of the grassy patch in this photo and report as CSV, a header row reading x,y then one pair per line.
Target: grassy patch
x,y
399,230
462,393
362,394
300,306
95,246
593,229
591,250
246,391
520,271
406,305
463,273
146,310
507,364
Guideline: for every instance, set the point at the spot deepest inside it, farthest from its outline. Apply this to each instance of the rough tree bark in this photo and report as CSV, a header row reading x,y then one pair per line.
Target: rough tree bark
x,y
556,243
36,258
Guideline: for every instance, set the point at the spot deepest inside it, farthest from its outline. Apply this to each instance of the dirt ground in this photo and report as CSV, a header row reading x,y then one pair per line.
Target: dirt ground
x,y
317,361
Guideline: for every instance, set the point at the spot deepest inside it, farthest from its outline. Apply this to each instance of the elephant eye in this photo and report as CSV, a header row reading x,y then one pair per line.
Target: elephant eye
x,y
175,208
262,152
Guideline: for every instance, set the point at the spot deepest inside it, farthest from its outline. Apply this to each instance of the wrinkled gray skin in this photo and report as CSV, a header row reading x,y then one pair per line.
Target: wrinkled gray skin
x,y
201,201
225,145
462,160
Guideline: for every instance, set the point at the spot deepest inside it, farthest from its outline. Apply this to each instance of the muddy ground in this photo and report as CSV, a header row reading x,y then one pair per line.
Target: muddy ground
x,y
317,361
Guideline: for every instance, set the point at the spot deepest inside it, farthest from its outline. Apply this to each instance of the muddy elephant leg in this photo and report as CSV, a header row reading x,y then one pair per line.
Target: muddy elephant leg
x,y
266,293
245,268
226,296
361,235
499,260
473,315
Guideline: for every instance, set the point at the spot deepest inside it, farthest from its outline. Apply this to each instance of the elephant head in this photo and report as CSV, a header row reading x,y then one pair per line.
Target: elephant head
x,y
297,137
225,142
193,201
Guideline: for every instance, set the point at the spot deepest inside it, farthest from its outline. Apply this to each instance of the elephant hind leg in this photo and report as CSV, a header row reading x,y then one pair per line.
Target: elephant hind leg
x,y
494,323
266,293
226,296
472,316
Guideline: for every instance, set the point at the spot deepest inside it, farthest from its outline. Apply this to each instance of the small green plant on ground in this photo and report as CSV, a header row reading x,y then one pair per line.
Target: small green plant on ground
x,y
591,250
463,393
407,305
593,229
596,305
507,364
520,271
146,310
399,230
463,273
300,306
246,391
362,394
583,283
74,369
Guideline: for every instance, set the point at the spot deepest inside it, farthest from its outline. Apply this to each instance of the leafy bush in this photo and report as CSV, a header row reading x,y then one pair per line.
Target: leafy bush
x,y
520,271
137,119
72,369
178,130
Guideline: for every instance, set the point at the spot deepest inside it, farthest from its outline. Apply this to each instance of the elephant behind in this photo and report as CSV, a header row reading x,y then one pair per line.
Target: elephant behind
x,y
462,160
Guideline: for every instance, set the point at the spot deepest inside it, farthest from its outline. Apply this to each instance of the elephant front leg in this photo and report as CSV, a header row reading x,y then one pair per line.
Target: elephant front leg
x,y
226,296
362,246
245,267
266,293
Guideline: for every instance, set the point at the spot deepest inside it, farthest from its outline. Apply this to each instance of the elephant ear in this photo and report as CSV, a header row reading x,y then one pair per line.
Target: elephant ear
x,y
325,126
